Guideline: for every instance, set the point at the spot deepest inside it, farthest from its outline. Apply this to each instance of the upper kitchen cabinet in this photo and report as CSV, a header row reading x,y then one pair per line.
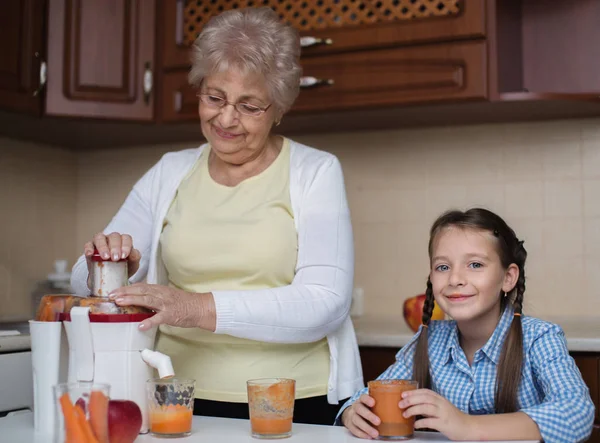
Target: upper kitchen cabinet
x,y
78,58
22,52
101,59
329,26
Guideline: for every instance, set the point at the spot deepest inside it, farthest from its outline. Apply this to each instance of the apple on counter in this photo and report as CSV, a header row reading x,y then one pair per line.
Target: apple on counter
x,y
413,311
124,421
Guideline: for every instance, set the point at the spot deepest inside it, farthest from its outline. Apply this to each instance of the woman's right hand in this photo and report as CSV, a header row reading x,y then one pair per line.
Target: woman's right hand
x,y
359,418
115,247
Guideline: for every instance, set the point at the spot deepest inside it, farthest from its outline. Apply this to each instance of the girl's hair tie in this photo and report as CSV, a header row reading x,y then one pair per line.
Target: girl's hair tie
x,y
517,314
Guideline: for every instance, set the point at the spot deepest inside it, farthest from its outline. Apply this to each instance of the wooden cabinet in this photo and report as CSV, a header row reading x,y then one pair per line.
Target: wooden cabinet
x,y
22,51
402,75
375,360
101,58
330,26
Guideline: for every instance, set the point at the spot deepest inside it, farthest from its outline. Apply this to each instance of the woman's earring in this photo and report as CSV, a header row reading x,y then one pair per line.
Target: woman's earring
x,y
277,122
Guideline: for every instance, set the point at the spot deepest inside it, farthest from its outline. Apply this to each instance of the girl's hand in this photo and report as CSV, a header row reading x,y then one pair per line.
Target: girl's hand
x,y
358,418
112,247
439,413
173,307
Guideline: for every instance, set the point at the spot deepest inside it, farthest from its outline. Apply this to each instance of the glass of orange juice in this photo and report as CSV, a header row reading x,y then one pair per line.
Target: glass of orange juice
x,y
271,407
170,406
387,395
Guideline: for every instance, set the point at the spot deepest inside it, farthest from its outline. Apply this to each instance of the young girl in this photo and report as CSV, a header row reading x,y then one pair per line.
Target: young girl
x,y
491,373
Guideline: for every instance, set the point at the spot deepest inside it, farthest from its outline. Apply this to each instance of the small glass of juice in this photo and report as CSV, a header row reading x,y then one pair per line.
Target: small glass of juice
x,y
271,407
170,406
387,395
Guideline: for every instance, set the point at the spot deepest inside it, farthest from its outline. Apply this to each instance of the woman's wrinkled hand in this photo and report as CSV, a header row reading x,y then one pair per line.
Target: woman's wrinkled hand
x,y
112,247
359,419
439,414
173,307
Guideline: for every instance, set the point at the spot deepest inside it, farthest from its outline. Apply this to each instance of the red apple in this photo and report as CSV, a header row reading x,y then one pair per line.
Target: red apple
x,y
413,311
81,403
124,421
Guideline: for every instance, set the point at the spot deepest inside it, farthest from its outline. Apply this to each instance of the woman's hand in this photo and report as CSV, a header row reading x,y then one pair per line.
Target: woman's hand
x,y
173,307
359,419
439,413
112,247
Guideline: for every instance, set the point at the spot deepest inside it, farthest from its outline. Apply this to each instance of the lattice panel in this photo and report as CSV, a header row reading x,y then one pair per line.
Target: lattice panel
x,y
306,15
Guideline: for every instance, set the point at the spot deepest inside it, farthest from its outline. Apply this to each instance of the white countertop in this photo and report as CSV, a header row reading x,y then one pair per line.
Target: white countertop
x,y
18,428
583,334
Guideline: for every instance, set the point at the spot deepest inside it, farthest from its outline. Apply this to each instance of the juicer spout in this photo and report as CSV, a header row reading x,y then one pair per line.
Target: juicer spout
x,y
160,362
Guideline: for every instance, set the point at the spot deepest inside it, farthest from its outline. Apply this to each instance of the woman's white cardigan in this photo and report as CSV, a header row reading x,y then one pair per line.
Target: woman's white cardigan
x,y
314,306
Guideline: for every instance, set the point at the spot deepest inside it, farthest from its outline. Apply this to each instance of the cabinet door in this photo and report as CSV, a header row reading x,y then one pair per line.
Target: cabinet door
x,y
101,58
21,54
432,73
375,360
589,366
343,25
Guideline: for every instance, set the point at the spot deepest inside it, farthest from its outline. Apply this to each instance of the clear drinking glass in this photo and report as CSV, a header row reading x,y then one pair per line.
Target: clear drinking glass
x,y
271,407
387,395
170,406
81,409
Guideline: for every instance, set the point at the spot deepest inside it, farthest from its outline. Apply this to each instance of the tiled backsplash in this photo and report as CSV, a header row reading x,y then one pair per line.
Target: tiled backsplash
x,y
38,190
543,178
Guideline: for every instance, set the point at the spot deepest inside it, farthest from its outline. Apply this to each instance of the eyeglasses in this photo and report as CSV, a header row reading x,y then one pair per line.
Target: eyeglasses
x,y
214,101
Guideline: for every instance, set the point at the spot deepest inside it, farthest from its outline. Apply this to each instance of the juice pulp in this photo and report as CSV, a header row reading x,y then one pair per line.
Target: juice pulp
x,y
387,395
172,419
271,407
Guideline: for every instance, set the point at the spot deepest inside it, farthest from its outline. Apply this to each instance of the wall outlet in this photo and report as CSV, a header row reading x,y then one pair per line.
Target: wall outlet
x,y
357,308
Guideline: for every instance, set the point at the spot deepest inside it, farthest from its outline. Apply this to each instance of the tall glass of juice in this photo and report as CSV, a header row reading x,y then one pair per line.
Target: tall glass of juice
x,y
387,395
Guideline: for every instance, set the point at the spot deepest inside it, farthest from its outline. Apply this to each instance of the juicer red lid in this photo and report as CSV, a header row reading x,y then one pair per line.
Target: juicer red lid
x,y
112,318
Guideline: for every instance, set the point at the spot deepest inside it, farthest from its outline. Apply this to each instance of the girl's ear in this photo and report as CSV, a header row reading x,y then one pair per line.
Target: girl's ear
x,y
511,276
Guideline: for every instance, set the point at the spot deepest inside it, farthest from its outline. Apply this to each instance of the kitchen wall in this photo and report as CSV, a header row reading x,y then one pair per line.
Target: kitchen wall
x,y
543,178
38,189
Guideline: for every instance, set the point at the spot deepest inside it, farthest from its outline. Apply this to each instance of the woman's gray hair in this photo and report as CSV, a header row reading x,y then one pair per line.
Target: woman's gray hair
x,y
255,41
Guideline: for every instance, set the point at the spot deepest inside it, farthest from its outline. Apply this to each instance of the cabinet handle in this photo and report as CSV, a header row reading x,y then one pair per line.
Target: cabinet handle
x,y
148,82
313,82
43,76
177,101
308,41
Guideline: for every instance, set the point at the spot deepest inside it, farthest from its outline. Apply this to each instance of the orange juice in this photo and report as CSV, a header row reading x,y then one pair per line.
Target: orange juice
x,y
172,419
271,426
387,395
271,407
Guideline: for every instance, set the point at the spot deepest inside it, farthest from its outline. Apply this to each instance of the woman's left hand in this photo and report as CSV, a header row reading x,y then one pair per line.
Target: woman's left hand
x,y
173,307
439,413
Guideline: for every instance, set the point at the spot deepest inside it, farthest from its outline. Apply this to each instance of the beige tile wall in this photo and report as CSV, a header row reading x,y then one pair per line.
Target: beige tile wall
x,y
38,187
543,178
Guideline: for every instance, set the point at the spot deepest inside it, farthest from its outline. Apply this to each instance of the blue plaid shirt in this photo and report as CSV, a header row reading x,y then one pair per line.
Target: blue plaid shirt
x,y
551,392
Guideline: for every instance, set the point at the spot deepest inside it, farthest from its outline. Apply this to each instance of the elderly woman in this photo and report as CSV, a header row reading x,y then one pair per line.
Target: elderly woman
x,y
245,242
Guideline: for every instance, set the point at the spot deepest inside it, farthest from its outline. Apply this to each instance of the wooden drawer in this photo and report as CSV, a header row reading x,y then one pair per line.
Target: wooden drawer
x,y
424,74
361,25
347,25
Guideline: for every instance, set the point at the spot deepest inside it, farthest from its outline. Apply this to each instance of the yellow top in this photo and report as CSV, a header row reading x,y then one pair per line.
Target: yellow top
x,y
243,237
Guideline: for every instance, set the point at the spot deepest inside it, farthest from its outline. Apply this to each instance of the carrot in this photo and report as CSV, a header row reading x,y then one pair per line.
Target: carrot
x,y
74,432
87,429
98,406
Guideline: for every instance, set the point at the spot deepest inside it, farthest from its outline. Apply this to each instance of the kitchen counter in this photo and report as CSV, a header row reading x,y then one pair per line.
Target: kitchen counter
x,y
18,428
583,334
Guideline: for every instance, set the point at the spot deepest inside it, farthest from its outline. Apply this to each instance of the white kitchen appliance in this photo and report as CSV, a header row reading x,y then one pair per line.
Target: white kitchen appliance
x,y
110,348
16,390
